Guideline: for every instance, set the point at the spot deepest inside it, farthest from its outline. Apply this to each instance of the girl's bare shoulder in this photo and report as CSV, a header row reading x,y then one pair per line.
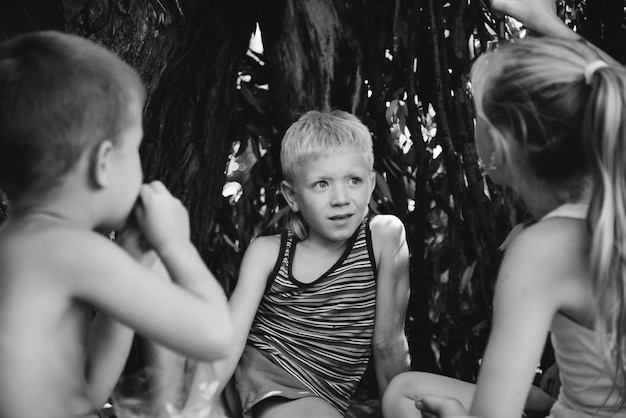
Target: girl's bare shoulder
x,y
554,239
550,257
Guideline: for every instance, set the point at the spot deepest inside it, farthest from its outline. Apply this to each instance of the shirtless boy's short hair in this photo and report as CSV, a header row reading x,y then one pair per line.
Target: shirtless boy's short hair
x,y
60,94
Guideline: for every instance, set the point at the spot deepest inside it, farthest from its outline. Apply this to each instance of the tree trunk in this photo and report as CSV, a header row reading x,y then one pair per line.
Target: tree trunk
x,y
313,57
188,56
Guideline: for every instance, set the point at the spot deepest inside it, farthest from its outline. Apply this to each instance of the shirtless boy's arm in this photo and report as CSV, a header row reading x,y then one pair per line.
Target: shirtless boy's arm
x,y
108,346
189,315
390,348
109,341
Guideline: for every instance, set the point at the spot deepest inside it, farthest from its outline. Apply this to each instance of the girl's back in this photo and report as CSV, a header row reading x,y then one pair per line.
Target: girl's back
x,y
585,384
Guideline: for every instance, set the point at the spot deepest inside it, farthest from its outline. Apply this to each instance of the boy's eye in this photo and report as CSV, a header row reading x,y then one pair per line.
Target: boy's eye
x,y
321,184
356,180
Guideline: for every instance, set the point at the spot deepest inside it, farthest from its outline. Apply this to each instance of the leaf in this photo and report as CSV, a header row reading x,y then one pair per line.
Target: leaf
x,y
382,185
254,100
465,284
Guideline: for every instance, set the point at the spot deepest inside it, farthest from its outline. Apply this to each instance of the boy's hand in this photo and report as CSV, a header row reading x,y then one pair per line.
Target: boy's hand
x,y
133,242
162,218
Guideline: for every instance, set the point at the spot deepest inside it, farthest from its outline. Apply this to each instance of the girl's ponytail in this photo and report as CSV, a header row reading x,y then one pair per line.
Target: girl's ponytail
x,y
604,130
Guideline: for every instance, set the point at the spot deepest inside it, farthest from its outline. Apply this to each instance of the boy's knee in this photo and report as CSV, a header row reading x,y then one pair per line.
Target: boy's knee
x,y
400,387
400,394
402,384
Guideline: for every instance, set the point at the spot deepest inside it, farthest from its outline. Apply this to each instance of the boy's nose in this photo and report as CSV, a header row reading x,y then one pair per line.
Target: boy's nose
x,y
340,196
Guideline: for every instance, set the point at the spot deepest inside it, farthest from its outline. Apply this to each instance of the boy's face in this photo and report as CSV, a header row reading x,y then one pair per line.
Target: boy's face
x,y
332,193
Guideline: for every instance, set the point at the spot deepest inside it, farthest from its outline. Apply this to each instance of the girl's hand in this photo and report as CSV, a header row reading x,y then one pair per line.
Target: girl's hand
x,y
161,217
526,11
432,406
538,15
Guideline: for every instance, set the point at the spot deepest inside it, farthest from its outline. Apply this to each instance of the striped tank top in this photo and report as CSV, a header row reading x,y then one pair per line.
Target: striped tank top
x,y
321,332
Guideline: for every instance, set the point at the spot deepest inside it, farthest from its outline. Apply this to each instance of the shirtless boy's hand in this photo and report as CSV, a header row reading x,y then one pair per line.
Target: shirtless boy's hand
x,y
161,217
131,239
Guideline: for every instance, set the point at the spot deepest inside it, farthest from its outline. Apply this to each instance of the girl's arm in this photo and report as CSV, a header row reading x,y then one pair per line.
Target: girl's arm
x,y
524,306
390,348
538,15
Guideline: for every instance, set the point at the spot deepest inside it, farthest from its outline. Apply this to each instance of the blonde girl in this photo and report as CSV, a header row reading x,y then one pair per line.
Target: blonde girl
x,y
551,124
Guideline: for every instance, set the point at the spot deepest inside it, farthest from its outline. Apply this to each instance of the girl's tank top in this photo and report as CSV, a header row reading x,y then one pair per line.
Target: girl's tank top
x,y
586,388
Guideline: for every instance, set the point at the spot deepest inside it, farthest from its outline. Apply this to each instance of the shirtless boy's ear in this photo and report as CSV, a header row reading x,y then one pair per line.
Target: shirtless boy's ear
x,y
290,195
101,164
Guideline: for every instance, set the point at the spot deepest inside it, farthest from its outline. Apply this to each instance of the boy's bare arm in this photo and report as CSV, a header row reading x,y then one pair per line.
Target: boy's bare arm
x,y
256,266
108,346
164,223
391,354
109,341
189,315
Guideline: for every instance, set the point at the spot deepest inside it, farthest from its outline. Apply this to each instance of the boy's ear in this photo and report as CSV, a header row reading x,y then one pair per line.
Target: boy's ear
x,y
101,164
373,181
290,195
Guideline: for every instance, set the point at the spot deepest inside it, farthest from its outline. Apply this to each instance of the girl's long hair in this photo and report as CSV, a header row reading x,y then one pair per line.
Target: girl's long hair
x,y
604,128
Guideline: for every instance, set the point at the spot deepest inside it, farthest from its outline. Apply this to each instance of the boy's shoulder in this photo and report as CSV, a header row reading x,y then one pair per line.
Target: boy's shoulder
x,y
260,256
265,246
385,227
388,236
52,251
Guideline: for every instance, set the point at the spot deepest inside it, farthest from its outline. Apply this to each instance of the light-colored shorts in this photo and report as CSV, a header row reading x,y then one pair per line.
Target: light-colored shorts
x,y
257,379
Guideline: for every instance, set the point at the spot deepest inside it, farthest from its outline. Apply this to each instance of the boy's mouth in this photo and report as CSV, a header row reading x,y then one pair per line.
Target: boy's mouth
x,y
340,217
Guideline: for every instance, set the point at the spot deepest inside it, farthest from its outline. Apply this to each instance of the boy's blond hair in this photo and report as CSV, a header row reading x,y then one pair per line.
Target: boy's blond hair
x,y
317,133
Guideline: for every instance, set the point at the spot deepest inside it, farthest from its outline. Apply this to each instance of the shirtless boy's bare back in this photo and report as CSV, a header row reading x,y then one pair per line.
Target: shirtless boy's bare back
x,y
70,118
